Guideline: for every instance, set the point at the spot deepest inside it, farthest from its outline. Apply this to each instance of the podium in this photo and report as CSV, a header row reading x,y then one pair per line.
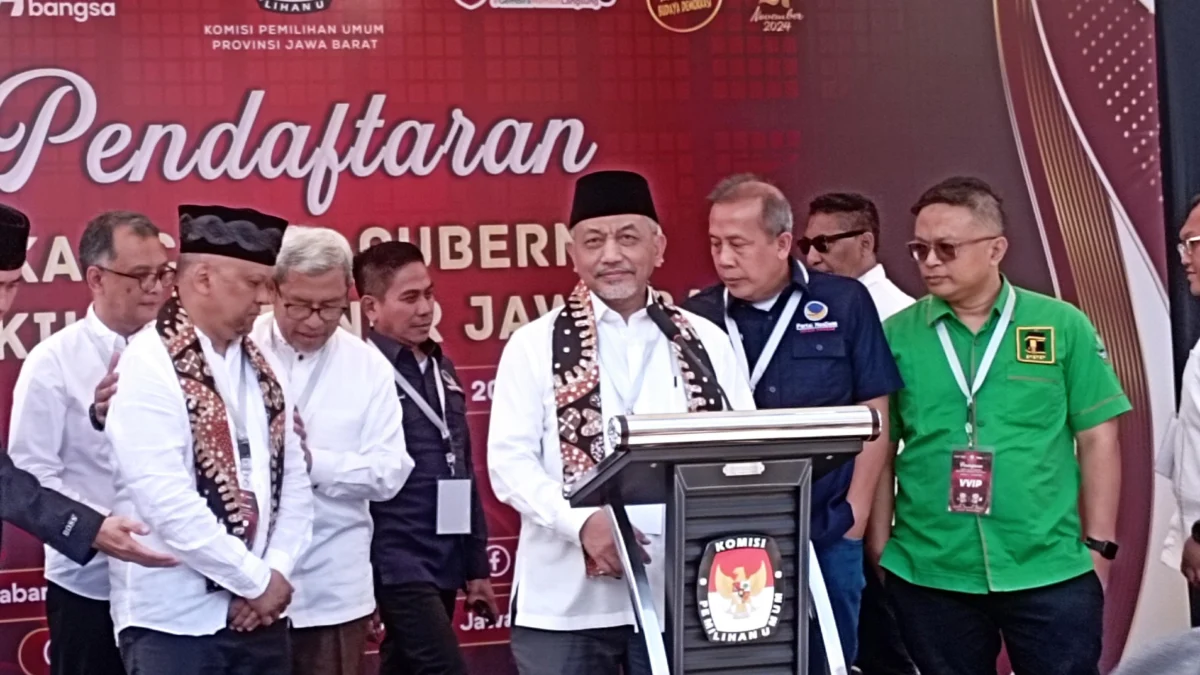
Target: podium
x,y
737,487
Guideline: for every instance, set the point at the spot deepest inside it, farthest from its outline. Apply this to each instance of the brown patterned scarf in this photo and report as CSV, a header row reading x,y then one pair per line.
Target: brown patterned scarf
x,y
216,464
577,381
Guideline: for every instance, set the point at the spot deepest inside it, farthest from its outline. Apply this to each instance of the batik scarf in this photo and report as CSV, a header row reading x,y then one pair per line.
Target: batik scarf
x,y
214,449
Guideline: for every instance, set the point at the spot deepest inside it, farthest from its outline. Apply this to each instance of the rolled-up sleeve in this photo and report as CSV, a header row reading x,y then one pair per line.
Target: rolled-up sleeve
x,y
152,447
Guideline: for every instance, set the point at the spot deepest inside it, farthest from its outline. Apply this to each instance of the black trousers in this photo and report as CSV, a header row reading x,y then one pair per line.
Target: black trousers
x,y
881,648
81,635
596,651
419,637
1194,604
264,651
1053,630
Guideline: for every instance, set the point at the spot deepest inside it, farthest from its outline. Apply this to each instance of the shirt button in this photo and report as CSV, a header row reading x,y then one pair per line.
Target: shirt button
x,y
820,348
771,389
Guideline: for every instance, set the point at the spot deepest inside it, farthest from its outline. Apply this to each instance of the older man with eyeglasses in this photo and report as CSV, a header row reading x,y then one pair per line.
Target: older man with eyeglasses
x,y
1009,482
354,445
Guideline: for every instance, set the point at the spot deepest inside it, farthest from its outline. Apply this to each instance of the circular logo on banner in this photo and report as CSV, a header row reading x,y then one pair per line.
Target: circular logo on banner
x,y
739,588
815,310
33,654
683,16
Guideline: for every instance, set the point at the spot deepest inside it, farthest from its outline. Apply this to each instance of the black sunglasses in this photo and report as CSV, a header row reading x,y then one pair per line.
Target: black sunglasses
x,y
821,242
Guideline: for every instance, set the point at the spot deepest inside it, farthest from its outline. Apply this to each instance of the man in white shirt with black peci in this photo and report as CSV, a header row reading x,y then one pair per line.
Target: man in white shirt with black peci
x,y
559,379
206,454
352,425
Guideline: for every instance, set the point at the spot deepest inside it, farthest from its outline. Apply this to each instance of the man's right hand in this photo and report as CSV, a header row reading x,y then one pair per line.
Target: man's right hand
x,y
106,389
274,600
599,541
242,617
115,538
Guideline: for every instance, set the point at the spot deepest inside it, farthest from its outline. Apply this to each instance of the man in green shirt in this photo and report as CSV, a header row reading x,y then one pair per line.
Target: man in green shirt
x,y
1009,409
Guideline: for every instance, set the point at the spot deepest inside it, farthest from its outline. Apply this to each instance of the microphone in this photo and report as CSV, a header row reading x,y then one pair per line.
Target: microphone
x,y
659,316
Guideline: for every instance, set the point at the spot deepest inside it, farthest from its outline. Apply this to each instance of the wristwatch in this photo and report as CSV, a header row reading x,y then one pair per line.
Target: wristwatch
x,y
1106,549
95,420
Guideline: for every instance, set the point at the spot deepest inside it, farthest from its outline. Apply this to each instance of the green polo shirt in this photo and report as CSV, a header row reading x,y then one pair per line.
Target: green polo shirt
x,y
1050,380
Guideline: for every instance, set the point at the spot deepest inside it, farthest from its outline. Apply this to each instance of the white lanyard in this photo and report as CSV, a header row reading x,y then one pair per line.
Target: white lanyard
x,y
422,404
629,396
985,365
310,386
237,412
768,352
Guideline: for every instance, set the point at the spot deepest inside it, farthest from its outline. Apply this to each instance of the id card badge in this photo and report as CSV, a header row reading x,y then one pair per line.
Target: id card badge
x,y
971,481
454,506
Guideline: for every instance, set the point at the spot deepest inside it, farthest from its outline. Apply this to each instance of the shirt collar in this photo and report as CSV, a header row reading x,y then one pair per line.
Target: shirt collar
x,y
393,350
938,309
602,311
105,334
799,282
873,276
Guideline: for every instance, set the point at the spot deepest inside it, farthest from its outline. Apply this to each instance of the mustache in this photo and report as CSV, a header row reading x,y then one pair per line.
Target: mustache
x,y
618,268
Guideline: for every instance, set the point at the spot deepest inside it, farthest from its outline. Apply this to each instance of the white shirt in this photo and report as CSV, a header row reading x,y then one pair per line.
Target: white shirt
x,y
525,463
888,298
51,435
354,424
1179,460
156,484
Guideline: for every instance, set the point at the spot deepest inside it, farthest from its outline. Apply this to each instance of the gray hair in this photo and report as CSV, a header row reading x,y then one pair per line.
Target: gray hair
x,y
776,211
96,244
313,250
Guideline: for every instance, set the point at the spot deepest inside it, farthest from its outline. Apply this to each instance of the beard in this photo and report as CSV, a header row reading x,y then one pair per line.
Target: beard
x,y
621,290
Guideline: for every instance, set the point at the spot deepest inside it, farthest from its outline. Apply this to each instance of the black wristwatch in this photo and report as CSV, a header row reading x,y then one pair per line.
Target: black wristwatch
x,y
1106,549
96,423
1196,531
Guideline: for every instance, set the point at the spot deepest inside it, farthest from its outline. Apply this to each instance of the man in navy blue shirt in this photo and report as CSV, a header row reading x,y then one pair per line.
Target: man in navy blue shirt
x,y
806,339
429,542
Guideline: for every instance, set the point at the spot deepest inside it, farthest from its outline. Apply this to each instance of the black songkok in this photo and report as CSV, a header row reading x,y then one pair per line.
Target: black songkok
x,y
14,236
244,234
612,193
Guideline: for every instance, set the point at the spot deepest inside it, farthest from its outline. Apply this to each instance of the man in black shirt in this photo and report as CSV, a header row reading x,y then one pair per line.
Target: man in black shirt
x,y
431,539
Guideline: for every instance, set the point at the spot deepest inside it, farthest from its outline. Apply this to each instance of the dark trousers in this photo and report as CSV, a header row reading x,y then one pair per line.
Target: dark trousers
x,y
597,651
881,648
842,570
82,641
419,636
1053,630
264,651
1194,604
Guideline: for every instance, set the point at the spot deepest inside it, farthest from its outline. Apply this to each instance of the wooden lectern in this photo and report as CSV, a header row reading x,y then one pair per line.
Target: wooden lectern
x,y
736,486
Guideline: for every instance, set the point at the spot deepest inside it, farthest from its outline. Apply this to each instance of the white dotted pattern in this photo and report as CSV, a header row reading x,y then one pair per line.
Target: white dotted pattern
x,y
1117,38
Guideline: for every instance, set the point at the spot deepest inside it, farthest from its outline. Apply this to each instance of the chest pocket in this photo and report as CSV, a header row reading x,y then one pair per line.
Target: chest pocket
x,y
1035,395
820,371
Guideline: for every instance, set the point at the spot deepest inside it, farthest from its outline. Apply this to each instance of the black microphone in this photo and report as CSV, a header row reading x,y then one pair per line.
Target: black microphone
x,y
659,316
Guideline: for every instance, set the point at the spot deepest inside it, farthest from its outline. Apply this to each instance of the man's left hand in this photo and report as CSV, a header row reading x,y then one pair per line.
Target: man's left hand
x,y
480,593
1103,566
115,539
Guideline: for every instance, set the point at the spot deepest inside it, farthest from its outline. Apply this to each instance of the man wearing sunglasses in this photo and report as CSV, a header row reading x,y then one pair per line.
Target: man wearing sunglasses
x,y
57,431
842,237
1009,481
805,339
1177,459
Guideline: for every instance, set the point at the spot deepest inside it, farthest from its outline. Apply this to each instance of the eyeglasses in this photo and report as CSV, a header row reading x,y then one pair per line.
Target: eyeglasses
x,y
1185,247
946,251
301,312
821,242
146,280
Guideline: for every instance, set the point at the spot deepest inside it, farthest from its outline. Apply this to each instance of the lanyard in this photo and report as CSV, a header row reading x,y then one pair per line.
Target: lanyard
x,y
985,365
630,396
310,386
768,352
422,404
237,412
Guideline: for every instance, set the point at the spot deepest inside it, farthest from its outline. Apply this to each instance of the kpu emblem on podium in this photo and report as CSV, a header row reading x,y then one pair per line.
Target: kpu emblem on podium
x,y
739,588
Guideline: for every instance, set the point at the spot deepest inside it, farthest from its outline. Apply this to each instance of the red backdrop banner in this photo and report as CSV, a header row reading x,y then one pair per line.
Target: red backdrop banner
x,y
461,124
